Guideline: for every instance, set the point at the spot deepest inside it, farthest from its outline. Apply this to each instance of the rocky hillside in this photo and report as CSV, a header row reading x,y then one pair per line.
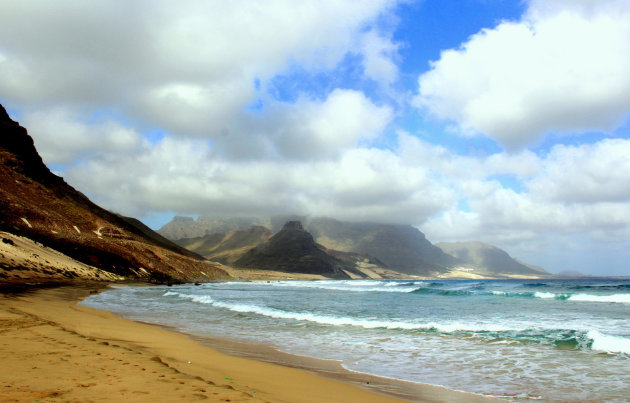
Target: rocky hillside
x,y
293,250
226,248
42,207
402,248
489,259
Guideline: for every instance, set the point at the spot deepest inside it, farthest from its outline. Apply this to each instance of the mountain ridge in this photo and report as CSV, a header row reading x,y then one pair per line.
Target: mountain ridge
x,y
400,248
489,257
42,207
293,250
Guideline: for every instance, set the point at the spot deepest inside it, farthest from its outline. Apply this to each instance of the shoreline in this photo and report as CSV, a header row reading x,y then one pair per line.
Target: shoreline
x,y
334,370
220,369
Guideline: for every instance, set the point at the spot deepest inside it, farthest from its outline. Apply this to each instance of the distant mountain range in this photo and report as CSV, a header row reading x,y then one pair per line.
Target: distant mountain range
x,y
489,258
42,207
400,249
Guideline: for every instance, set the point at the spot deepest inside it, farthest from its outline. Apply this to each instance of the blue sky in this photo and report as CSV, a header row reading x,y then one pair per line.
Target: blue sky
x,y
493,120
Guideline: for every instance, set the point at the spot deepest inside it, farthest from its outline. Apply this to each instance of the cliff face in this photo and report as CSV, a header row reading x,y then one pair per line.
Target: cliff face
x,y
41,206
293,250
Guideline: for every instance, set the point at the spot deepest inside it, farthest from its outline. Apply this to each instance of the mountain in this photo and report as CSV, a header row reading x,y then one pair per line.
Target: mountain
x,y
400,248
488,258
226,248
42,207
187,227
293,250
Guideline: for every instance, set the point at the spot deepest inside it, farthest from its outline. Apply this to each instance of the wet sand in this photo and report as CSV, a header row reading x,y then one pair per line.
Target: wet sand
x,y
53,350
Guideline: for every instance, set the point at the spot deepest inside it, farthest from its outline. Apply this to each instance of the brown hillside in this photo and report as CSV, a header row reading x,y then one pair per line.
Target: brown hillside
x,y
226,248
41,206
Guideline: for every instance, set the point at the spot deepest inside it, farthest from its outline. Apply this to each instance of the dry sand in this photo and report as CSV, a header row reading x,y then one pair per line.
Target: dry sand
x,y
22,259
55,351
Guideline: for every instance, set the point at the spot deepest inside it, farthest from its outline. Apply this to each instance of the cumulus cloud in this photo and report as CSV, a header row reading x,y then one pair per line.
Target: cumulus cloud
x,y
364,183
588,173
311,129
189,68
379,54
63,136
561,68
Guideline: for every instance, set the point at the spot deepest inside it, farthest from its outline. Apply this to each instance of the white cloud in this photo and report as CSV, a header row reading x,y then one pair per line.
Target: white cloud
x,y
562,68
62,136
574,204
188,67
311,129
181,175
379,54
589,173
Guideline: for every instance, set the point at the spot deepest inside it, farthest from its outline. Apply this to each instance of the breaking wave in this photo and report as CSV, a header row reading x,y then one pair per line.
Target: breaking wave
x,y
356,285
493,333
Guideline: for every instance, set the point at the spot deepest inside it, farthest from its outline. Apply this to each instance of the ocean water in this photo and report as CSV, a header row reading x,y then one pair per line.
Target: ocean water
x,y
520,339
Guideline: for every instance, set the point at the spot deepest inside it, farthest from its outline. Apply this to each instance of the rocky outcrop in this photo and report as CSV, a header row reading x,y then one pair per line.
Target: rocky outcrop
x,y
293,250
41,206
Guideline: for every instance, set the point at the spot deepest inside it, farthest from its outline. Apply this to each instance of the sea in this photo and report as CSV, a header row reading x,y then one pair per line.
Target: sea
x,y
517,339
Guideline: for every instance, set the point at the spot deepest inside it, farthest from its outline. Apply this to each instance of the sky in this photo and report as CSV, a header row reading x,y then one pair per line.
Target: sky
x,y
501,121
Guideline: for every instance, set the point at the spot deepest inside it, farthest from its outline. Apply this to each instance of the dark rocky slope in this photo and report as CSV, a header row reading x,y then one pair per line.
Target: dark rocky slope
x,y
293,250
402,248
41,206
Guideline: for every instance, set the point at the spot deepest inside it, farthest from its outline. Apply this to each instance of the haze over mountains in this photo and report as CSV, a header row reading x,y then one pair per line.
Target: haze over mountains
x,y
402,249
488,257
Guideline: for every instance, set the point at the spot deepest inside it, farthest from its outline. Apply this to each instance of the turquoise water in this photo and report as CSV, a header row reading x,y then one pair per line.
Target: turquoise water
x,y
524,339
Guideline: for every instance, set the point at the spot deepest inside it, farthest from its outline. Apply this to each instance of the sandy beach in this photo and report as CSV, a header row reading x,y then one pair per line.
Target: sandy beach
x,y
53,350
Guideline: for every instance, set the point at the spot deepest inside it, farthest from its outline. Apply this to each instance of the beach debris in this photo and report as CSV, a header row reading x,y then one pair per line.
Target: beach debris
x,y
26,221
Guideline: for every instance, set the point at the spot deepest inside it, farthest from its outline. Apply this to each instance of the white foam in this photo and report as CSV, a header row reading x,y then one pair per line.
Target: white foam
x,y
617,298
545,295
341,321
353,285
504,293
611,344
